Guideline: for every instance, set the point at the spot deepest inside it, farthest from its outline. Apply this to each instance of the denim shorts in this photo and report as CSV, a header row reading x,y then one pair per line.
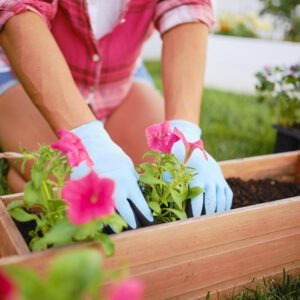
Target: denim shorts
x,y
142,74
7,80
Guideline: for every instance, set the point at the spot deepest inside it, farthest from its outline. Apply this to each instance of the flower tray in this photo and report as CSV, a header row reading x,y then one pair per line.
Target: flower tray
x,y
287,139
185,259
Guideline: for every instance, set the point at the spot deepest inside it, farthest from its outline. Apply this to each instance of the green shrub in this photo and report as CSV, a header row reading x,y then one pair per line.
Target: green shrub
x,y
288,13
279,86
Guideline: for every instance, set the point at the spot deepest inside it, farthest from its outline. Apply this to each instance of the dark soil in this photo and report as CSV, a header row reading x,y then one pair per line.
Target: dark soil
x,y
245,193
25,228
252,192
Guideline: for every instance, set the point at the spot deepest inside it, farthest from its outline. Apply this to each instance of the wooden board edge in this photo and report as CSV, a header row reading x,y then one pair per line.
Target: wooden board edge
x,y
12,241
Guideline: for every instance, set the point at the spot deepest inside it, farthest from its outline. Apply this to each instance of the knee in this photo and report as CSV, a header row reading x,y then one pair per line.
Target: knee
x,y
149,102
15,181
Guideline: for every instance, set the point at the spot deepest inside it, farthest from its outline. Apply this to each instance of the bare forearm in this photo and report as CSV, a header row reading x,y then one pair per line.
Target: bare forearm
x,y
183,65
43,72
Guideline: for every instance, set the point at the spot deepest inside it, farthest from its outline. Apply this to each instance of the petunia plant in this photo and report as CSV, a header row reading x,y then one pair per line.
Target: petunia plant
x,y
72,275
65,210
279,87
164,179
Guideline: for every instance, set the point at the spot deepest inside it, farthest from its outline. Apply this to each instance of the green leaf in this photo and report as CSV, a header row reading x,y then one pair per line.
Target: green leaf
x,y
194,192
149,153
151,180
61,234
116,221
154,195
178,197
86,231
107,244
48,192
147,167
181,215
14,204
155,207
37,175
38,243
57,205
31,195
73,273
30,284
21,215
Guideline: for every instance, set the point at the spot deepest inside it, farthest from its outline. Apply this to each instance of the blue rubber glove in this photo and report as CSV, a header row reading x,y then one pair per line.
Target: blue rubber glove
x,y
217,194
112,162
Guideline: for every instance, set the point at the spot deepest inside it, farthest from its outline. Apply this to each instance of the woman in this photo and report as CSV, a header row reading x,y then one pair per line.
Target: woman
x,y
74,63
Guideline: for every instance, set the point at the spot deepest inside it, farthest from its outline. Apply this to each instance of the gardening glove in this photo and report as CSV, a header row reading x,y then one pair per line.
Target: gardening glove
x,y
111,161
217,194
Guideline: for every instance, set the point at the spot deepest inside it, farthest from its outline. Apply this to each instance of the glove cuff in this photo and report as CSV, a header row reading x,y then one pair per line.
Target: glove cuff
x,y
106,154
85,130
191,131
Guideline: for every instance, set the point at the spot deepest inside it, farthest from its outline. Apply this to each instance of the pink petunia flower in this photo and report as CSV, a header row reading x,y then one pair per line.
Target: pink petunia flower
x,y
71,145
7,287
89,198
128,289
160,137
190,147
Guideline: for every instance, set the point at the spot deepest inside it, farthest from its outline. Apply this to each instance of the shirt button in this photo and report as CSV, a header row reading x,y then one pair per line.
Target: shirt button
x,y
123,20
96,57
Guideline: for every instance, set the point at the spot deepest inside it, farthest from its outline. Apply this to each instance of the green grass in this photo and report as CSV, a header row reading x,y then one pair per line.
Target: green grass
x,y
287,287
233,125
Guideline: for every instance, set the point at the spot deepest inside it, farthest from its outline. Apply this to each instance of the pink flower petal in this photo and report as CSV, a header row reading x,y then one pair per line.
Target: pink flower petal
x,y
181,137
89,198
128,289
199,145
7,287
71,145
160,137
190,146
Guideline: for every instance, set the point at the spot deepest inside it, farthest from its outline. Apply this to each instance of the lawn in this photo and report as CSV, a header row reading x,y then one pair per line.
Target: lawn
x,y
233,125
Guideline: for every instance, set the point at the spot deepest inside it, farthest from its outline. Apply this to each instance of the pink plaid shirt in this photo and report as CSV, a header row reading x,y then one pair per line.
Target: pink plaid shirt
x,y
103,68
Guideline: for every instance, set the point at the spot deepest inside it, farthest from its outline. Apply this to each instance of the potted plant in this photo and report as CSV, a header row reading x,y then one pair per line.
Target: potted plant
x,y
61,210
279,86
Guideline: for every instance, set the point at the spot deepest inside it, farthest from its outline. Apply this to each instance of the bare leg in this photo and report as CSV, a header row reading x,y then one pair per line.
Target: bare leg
x,y
21,124
15,181
142,107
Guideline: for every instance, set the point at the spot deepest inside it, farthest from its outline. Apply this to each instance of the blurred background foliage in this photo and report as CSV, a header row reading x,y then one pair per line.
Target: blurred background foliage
x,y
286,13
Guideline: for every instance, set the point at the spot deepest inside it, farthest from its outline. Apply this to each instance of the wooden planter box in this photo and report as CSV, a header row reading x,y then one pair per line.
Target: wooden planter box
x,y
185,259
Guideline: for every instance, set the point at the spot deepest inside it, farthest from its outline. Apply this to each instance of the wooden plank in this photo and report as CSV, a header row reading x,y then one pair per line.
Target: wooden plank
x,y
197,233
9,198
291,157
11,241
203,272
283,166
227,288
193,256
